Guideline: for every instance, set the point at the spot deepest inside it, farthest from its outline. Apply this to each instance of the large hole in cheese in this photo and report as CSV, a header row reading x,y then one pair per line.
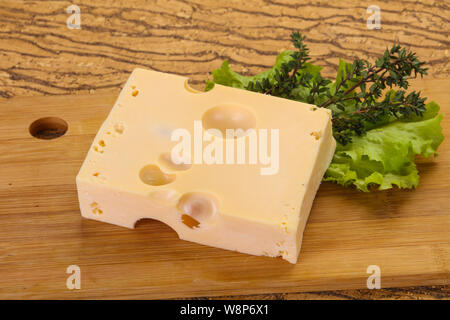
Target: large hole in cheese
x,y
152,175
197,208
228,116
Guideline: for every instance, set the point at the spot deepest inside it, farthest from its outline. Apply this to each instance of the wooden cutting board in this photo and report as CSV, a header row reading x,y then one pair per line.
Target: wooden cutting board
x,y
405,233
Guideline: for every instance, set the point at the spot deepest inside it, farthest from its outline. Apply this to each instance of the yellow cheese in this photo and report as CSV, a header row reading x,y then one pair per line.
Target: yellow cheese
x,y
253,197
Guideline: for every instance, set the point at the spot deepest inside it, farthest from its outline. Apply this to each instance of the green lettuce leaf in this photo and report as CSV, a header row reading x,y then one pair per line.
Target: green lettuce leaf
x,y
384,156
227,77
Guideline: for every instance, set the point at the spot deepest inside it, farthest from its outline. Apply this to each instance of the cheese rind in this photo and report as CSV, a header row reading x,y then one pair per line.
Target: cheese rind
x,y
126,175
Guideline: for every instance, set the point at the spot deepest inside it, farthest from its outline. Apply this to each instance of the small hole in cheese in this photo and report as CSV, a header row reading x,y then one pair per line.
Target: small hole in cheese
x,y
95,208
119,128
189,88
316,135
189,221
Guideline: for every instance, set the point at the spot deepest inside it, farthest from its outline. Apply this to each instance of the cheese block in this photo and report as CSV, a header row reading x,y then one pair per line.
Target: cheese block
x,y
227,168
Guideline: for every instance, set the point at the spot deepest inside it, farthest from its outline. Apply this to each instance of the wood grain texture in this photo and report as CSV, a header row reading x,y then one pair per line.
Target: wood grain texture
x,y
411,293
406,233
39,55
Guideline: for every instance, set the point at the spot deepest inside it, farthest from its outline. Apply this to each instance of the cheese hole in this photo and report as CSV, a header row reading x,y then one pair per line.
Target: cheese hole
x,y
188,87
48,128
200,207
316,135
189,221
166,160
229,116
95,208
152,175
119,128
96,149
99,177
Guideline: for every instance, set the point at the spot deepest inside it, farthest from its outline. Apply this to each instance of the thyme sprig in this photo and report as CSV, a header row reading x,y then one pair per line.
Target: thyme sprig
x,y
358,98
